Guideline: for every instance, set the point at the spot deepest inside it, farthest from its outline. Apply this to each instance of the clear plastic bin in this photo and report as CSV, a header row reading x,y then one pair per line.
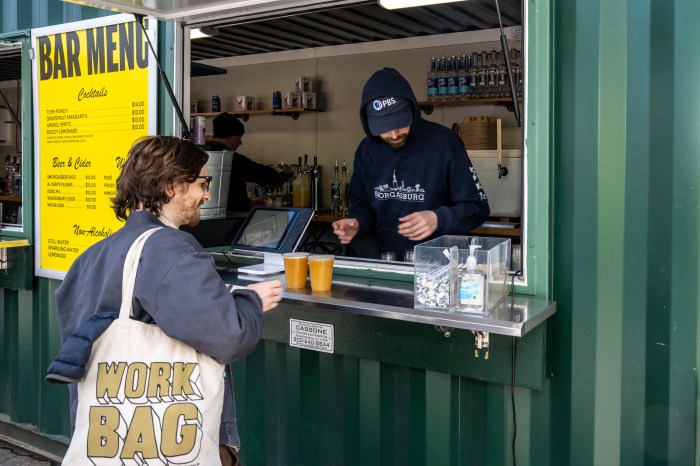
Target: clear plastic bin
x,y
440,266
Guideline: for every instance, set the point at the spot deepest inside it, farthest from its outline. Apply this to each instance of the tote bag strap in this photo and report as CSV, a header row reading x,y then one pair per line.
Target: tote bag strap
x,y
129,275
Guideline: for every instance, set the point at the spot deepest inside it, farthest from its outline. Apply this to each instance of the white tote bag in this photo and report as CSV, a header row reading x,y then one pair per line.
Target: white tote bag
x,y
146,399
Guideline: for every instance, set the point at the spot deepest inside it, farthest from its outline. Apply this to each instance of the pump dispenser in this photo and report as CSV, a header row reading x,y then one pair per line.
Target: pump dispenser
x,y
315,182
471,284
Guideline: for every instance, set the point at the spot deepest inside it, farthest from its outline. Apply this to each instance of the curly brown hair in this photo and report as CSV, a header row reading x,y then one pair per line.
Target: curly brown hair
x,y
155,163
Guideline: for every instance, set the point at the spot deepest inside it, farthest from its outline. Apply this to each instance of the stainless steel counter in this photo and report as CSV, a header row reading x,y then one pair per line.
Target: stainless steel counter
x,y
394,300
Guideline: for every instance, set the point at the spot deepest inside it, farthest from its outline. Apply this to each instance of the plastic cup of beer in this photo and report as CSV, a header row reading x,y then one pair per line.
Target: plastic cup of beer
x,y
321,272
295,266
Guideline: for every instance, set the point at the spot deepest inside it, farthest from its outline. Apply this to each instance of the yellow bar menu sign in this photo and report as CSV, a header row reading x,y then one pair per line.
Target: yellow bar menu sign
x,y
94,95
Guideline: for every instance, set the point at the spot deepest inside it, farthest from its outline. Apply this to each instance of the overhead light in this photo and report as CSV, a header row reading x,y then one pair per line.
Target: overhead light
x,y
202,32
396,4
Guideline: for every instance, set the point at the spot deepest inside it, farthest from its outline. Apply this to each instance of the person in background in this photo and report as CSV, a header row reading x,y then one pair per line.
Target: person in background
x,y
228,134
177,286
412,179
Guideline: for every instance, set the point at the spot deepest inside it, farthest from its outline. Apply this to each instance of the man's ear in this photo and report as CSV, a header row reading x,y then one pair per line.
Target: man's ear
x,y
170,190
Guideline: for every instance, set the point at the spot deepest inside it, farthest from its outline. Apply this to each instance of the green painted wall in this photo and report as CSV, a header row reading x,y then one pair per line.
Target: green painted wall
x,y
393,393
625,179
613,142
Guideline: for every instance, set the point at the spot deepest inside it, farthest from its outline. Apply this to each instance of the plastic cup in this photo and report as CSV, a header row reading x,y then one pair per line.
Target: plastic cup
x,y
321,272
295,266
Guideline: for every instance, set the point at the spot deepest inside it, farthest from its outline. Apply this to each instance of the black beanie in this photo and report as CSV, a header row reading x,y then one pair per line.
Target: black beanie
x,y
226,125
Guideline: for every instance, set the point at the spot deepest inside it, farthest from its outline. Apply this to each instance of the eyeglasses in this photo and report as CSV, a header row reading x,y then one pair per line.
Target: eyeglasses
x,y
206,186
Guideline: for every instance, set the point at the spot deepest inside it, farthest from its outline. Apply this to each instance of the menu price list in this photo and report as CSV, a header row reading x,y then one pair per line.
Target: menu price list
x,y
64,125
138,118
78,191
68,198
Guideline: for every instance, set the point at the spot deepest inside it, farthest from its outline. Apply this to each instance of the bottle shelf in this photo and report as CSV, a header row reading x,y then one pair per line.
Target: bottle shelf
x,y
245,115
428,106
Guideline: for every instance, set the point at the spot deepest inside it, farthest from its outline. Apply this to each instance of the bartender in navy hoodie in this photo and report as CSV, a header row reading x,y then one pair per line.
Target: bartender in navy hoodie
x,y
412,179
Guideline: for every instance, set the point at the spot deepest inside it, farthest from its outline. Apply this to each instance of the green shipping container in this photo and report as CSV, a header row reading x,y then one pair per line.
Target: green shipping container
x,y
612,129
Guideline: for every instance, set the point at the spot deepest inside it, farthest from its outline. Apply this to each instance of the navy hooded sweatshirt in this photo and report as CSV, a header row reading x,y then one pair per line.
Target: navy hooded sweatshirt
x,y
430,172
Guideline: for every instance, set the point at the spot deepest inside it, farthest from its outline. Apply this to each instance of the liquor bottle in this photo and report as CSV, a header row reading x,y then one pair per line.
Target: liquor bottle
x,y
483,72
442,79
452,83
335,192
502,77
463,77
517,70
432,80
474,77
287,188
344,181
7,181
492,74
17,177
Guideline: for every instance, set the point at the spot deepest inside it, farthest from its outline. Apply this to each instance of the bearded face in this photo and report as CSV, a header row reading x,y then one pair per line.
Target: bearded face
x,y
189,198
397,138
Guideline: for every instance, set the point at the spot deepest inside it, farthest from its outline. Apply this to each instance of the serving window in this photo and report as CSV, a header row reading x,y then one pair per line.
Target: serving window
x,y
198,77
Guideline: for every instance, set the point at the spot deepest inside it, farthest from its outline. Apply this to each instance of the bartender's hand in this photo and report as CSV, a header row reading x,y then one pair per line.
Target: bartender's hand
x,y
418,225
270,293
346,229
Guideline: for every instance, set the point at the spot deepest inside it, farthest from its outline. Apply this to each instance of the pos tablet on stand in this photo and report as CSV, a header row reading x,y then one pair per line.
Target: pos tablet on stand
x,y
272,231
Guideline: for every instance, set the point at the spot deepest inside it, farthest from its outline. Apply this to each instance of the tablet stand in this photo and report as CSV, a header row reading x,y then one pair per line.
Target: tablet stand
x,y
273,263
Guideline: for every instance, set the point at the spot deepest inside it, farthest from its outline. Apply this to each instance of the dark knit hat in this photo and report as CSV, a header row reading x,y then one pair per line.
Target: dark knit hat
x,y
226,125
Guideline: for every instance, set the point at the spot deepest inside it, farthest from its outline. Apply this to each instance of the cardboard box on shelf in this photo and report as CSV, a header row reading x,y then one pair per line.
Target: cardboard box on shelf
x,y
308,100
304,84
244,103
291,100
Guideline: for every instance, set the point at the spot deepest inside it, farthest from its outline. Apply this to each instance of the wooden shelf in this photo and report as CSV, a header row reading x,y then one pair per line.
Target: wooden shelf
x,y
428,106
498,229
244,115
5,198
326,217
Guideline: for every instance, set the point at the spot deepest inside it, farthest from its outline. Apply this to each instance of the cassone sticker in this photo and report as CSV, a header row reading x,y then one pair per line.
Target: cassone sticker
x,y
311,336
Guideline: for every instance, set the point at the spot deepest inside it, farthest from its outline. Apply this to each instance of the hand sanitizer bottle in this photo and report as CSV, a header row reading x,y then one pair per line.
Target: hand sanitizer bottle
x,y
471,285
